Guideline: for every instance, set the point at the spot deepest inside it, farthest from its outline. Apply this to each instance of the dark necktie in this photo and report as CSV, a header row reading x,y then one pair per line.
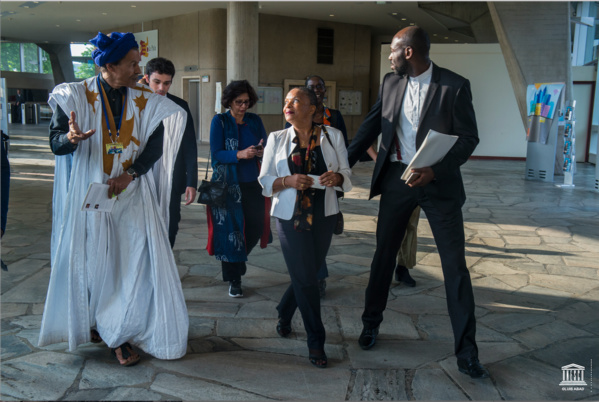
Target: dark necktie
x,y
397,148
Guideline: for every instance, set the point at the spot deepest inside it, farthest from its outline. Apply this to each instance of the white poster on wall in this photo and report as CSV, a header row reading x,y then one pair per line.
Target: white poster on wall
x,y
148,45
350,103
219,95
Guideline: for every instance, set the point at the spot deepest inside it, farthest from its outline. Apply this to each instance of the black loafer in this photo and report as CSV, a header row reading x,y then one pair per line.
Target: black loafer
x,y
473,368
368,338
402,274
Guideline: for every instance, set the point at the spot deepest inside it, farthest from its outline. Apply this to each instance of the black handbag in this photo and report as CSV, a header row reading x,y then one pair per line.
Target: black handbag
x,y
213,193
339,226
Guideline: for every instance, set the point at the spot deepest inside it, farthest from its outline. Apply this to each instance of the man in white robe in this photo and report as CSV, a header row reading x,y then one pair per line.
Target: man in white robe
x,y
114,277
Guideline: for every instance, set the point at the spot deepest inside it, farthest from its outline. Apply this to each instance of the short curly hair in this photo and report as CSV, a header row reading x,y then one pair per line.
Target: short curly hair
x,y
314,76
235,89
160,65
310,94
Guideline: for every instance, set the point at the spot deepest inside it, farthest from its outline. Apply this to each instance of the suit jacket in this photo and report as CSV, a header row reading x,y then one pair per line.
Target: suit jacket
x,y
185,172
447,109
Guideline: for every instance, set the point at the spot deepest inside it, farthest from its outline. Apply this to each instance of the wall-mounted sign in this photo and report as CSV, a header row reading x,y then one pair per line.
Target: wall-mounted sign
x,y
350,103
148,45
270,100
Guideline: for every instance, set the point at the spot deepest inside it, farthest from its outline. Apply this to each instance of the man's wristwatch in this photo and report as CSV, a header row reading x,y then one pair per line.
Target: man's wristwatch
x,y
131,172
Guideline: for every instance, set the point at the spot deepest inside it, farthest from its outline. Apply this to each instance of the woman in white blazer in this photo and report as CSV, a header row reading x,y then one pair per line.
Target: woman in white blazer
x,y
302,168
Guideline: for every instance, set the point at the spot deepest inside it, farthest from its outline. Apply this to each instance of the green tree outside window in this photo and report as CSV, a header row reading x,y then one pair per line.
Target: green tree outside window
x,y
30,58
88,69
10,56
46,63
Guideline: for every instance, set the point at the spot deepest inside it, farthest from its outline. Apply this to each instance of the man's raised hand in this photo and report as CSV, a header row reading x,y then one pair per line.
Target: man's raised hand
x,y
75,134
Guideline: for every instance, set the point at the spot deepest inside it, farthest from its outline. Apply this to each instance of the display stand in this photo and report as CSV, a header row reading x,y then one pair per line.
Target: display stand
x,y
568,132
542,136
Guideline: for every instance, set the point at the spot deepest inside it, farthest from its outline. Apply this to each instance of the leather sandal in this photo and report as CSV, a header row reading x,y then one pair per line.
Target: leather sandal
x,y
318,358
95,336
126,355
283,328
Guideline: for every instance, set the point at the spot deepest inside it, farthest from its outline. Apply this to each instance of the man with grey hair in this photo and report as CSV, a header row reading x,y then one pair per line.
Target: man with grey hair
x,y
114,277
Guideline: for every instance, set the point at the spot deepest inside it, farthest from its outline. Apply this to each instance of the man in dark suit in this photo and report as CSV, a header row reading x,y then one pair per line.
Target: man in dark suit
x,y
159,76
417,97
18,103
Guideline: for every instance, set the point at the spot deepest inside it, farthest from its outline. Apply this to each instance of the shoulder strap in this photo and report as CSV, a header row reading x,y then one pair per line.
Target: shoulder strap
x,y
222,121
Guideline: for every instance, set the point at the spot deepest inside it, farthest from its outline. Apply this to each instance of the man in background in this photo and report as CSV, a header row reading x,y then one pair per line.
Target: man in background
x,y
18,103
159,76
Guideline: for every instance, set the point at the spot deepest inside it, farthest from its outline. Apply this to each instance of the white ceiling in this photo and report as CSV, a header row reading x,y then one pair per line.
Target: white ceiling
x,y
78,21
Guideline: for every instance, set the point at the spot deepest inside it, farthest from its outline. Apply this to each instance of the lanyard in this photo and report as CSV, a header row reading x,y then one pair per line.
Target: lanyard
x,y
105,110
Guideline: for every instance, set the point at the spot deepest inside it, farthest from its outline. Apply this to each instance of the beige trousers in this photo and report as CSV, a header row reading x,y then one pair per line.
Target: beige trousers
x,y
407,252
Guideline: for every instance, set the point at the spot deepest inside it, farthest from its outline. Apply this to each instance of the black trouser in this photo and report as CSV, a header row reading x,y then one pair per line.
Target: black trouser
x,y
174,211
397,203
304,253
252,203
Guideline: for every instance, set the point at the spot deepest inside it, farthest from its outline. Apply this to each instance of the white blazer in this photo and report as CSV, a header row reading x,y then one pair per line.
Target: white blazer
x,y
275,164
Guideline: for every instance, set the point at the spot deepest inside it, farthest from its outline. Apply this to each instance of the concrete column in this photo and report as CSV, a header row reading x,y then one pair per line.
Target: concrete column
x,y
242,42
535,41
62,62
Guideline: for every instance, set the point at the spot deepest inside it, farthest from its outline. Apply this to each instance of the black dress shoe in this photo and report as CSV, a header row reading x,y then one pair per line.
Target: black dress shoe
x,y
402,274
368,338
473,368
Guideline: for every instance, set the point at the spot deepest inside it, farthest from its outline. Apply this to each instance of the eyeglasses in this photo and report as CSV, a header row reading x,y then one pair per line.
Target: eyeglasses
x,y
239,102
319,87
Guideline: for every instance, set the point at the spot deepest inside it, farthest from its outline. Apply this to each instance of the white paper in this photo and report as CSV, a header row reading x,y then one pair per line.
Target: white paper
x,y
96,199
316,184
434,148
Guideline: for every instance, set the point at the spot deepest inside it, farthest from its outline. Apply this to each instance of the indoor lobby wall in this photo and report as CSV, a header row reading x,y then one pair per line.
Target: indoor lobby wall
x,y
197,40
288,51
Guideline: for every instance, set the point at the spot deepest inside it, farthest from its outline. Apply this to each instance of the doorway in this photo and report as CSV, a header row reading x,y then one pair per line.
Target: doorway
x,y
195,103
583,93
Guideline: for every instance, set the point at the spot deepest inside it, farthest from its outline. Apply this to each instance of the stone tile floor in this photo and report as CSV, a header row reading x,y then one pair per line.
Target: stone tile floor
x,y
533,253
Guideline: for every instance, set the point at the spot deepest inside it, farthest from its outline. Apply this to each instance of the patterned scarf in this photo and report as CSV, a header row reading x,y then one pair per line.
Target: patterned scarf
x,y
304,201
326,115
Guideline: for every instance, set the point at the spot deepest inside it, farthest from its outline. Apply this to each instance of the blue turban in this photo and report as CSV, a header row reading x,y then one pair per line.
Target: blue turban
x,y
110,49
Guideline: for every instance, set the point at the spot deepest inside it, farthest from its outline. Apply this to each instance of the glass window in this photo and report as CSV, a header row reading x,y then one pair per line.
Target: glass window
x,y
46,63
82,60
10,56
30,58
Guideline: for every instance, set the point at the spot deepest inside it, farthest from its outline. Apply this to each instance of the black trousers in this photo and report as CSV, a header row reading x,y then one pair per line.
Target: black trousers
x,y
252,203
174,210
304,254
397,203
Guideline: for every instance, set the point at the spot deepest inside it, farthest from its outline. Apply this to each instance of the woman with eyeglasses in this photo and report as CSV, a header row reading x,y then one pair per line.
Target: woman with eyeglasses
x,y
303,166
237,140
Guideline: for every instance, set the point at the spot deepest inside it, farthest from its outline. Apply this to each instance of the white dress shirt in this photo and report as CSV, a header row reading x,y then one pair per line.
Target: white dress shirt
x,y
409,120
275,164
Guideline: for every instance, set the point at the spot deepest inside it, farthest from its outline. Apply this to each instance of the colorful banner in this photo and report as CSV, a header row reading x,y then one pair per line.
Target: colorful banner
x,y
148,45
543,101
